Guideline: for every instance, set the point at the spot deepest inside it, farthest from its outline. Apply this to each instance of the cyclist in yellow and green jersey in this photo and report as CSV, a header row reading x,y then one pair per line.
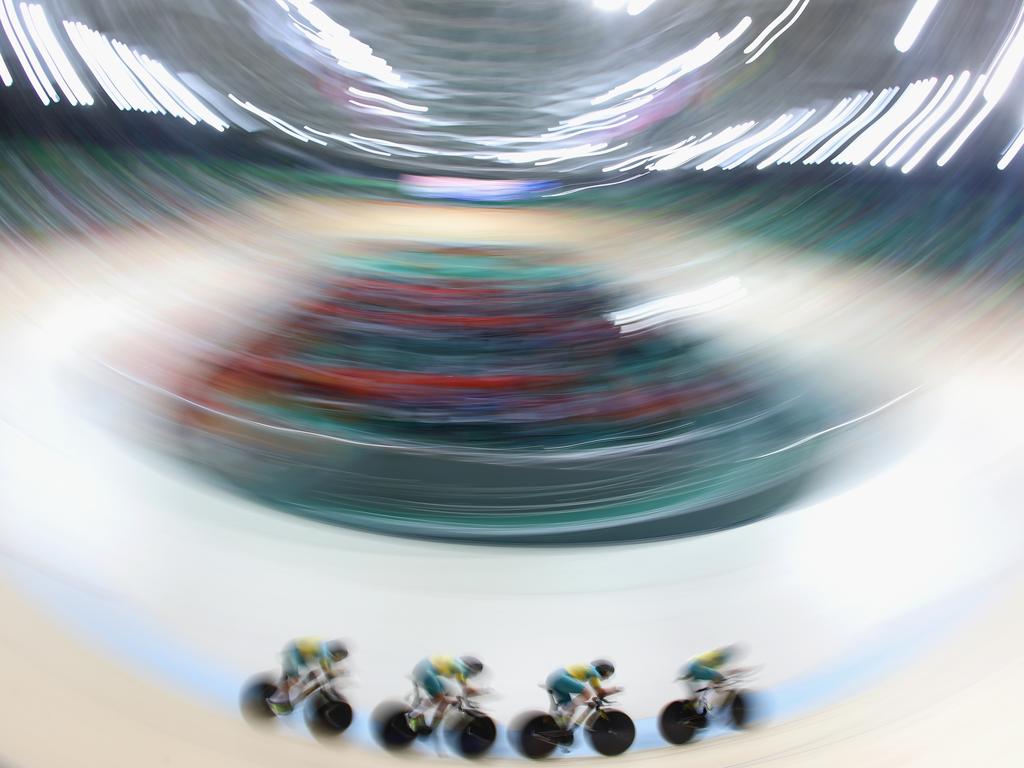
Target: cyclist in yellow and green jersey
x,y
430,674
574,684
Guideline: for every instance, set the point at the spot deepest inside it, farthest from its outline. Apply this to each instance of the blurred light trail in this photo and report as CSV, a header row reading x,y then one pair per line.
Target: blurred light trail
x,y
110,71
848,423
667,73
915,122
771,27
277,122
946,127
53,53
915,22
348,52
1000,74
5,73
691,152
26,54
841,137
386,99
929,122
708,299
907,104
595,186
778,34
773,139
1011,151
741,147
819,133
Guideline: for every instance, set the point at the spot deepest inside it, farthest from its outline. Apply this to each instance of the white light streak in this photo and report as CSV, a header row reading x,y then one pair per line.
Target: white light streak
x,y
690,152
824,129
928,108
277,122
741,147
1012,150
596,186
926,125
188,100
349,53
26,54
771,140
841,137
907,104
681,65
946,127
768,30
708,299
53,53
915,22
386,99
778,34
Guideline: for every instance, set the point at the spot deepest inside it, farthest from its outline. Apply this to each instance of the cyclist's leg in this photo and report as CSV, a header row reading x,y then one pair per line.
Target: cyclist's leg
x,y
703,674
569,694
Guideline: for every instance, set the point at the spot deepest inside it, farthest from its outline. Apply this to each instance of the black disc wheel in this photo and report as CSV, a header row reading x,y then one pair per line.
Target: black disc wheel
x,y
678,722
538,736
612,733
328,716
739,709
253,699
476,737
392,726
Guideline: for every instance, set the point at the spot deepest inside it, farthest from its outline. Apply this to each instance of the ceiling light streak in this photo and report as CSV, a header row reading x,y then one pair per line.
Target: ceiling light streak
x,y
771,140
26,55
596,186
906,105
703,53
815,130
183,95
1012,150
768,30
916,121
863,120
926,125
386,99
848,113
915,22
779,34
277,122
692,152
946,127
56,58
636,7
742,146
84,43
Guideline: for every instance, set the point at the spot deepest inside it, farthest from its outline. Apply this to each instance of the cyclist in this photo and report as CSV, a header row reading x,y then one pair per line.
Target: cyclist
x,y
569,686
706,666
430,675
300,658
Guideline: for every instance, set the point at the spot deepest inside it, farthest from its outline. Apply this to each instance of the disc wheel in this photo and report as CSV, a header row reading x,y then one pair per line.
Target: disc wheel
x,y
678,722
392,726
328,716
538,736
477,736
740,709
253,699
612,733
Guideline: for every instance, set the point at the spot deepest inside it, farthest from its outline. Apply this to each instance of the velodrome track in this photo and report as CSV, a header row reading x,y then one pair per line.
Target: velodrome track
x,y
884,608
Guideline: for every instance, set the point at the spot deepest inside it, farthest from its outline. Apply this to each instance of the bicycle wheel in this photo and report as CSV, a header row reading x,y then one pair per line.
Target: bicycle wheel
x,y
740,709
392,726
612,733
476,736
677,722
538,736
328,716
253,699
